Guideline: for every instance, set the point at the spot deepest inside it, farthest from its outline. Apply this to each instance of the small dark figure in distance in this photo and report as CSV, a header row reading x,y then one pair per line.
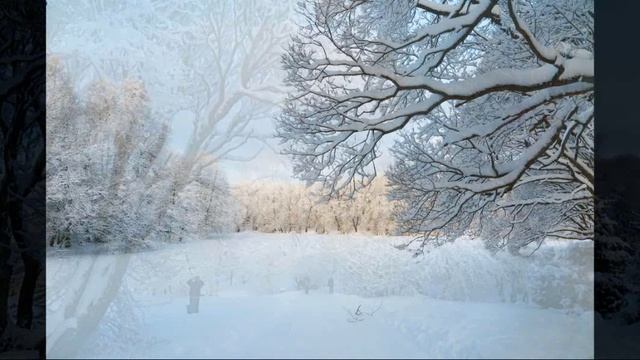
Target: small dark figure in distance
x,y
330,284
194,294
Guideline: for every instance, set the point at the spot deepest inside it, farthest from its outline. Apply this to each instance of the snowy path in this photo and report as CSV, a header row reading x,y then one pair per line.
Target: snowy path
x,y
458,302
295,325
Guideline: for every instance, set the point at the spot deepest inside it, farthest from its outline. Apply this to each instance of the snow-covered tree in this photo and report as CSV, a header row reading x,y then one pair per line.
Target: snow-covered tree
x,y
98,157
203,207
110,180
287,207
231,50
109,175
493,102
216,62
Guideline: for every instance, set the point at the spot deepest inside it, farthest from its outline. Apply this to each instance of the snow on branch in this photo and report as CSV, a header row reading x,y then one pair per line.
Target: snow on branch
x,y
484,101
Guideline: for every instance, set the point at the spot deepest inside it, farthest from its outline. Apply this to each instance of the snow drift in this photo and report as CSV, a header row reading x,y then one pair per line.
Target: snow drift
x,y
270,288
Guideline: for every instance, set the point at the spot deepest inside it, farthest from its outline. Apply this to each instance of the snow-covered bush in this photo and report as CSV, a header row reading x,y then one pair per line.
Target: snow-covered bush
x,y
559,275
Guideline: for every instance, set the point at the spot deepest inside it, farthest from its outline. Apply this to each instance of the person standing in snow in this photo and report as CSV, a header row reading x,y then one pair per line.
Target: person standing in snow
x,y
194,294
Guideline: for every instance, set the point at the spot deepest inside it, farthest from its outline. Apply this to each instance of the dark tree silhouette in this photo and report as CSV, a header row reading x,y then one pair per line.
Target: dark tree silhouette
x,y
22,176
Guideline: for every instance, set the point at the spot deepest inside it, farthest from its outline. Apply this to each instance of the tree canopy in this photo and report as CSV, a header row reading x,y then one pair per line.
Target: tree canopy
x,y
491,104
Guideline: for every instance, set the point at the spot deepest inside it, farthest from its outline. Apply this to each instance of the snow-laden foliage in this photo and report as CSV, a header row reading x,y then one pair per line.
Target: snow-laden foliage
x,y
210,67
110,178
559,275
493,101
202,207
283,207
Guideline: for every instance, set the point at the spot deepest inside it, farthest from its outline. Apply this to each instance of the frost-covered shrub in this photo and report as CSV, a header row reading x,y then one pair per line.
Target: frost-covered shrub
x,y
558,275
110,179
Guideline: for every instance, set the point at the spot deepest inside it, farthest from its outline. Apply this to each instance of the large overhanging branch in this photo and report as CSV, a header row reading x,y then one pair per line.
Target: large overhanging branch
x,y
490,109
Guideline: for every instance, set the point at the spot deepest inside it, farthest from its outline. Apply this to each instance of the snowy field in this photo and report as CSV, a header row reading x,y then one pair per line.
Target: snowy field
x,y
267,295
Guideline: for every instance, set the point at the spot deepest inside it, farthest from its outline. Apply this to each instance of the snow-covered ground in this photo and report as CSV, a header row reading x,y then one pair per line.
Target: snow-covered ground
x,y
457,301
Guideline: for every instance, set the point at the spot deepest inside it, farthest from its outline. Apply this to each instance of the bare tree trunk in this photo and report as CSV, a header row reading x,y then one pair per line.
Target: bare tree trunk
x,y
338,224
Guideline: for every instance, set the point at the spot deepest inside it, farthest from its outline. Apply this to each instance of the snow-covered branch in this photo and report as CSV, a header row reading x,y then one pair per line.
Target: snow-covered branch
x,y
486,98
